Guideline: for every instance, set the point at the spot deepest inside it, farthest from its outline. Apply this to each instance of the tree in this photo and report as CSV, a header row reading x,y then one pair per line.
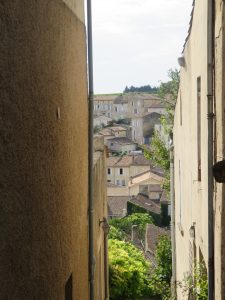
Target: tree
x,y
159,153
125,224
128,271
160,278
116,234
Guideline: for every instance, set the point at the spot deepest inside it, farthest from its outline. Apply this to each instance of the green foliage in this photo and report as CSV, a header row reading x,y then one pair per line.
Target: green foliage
x,y
196,284
160,278
116,234
158,153
97,128
141,89
164,258
125,224
171,87
128,271
133,208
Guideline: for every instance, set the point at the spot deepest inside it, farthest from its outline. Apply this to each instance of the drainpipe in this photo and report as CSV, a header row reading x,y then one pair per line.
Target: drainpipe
x,y
172,202
90,150
210,115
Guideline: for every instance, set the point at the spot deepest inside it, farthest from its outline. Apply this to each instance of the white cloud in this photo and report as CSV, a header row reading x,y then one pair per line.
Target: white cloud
x,y
136,41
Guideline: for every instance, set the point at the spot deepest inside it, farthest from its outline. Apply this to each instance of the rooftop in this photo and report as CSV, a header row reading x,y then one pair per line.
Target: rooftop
x,y
127,160
143,201
110,97
117,206
121,141
153,233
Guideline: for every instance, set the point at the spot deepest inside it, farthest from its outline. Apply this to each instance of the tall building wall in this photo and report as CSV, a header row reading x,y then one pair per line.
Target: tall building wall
x,y
190,151
43,150
101,291
219,150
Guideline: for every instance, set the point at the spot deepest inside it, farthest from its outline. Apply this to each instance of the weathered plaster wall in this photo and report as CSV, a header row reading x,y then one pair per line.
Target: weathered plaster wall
x,y
100,212
191,200
43,150
219,151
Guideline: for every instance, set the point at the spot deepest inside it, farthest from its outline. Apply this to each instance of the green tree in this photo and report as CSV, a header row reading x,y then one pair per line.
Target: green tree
x,y
116,234
160,277
125,224
159,152
128,271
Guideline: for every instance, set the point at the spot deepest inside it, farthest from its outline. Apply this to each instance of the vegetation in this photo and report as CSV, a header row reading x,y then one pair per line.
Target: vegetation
x,y
141,89
125,224
160,278
134,208
97,128
196,285
159,152
128,271
131,276
116,234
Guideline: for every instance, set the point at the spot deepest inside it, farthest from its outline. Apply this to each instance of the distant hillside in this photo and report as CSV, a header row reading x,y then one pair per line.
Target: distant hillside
x,y
141,89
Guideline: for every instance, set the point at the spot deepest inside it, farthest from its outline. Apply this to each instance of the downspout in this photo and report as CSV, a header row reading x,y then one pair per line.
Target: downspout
x,y
90,150
210,115
172,202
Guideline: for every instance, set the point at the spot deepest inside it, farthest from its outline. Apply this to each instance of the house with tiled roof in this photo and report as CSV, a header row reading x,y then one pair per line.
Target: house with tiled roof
x,y
121,144
120,169
117,206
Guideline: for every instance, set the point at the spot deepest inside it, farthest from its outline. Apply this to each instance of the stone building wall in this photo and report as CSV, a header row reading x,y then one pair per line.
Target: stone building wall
x,y
43,150
219,150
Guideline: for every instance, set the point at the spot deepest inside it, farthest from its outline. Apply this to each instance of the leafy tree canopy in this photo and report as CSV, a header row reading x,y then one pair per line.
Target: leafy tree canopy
x,y
128,271
125,224
141,89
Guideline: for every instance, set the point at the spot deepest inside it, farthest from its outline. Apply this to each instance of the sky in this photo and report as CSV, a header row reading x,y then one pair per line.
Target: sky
x,y
136,42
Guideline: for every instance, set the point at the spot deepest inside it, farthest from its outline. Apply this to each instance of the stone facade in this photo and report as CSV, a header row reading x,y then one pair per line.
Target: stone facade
x,y
191,149
44,154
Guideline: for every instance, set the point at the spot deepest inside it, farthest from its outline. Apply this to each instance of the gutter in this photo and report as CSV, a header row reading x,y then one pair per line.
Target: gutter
x,y
210,116
90,150
173,237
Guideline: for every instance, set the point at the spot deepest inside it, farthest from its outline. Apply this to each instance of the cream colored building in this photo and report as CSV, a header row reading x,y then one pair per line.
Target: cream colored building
x,y
195,150
137,177
120,169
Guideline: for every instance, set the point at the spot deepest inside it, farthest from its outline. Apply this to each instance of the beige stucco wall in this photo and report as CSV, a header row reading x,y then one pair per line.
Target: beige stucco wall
x,y
43,150
219,152
127,173
191,194
100,211
118,191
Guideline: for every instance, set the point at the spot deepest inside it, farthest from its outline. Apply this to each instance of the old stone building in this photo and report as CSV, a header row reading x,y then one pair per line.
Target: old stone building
x,y
44,154
198,146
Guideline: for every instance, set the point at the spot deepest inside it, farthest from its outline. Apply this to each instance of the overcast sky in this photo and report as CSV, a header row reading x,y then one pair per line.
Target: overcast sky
x,y
137,41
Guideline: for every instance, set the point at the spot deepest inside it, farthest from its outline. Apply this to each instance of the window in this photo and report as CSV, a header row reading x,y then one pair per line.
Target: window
x,y
120,182
109,171
69,289
115,108
199,127
121,171
135,111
